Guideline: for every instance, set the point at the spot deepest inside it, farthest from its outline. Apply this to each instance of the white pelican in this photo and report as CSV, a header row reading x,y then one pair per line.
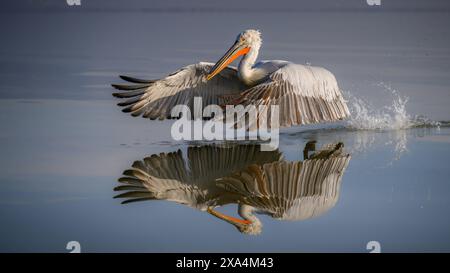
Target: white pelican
x,y
258,182
290,191
305,94
167,176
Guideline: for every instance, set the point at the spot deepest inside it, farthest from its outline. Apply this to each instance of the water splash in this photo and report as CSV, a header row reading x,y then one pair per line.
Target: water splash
x,y
391,117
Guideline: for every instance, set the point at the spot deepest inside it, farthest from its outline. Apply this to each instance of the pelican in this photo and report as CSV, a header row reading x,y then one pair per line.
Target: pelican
x,y
290,191
258,182
305,94
191,182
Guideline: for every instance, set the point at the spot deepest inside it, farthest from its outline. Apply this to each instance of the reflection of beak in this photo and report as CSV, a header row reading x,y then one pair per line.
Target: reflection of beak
x,y
235,51
239,223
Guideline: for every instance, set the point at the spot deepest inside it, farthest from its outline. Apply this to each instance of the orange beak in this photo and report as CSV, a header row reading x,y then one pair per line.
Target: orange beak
x,y
234,52
232,220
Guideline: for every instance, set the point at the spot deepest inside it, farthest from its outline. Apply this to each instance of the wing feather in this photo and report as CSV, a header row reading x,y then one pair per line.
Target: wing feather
x,y
304,95
134,80
292,190
155,99
191,182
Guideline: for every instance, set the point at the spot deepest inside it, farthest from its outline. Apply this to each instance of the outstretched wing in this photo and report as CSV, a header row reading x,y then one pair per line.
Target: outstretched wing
x,y
304,94
291,190
155,99
169,176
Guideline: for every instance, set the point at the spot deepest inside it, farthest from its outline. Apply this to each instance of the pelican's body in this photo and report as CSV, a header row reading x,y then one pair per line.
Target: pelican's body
x,y
305,94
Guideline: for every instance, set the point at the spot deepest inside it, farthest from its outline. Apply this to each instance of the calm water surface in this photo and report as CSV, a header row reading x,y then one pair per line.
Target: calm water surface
x,y
65,144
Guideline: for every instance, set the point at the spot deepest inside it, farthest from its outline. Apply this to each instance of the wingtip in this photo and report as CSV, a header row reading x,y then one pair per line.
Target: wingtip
x,y
116,86
135,80
126,110
129,87
117,95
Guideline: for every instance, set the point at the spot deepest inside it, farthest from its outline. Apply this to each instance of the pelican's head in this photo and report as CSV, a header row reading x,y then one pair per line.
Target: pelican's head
x,y
249,225
251,37
245,41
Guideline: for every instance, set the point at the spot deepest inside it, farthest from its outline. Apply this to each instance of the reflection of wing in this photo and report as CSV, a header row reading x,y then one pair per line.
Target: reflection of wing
x,y
169,177
305,94
291,190
155,99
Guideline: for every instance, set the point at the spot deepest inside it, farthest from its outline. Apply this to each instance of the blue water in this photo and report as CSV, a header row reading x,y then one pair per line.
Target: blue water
x,y
64,142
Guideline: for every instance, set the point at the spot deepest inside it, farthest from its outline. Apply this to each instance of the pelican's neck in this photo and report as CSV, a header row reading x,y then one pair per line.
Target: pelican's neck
x,y
245,70
246,212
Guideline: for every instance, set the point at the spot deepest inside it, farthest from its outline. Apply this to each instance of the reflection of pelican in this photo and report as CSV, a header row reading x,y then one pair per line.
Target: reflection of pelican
x,y
169,177
287,190
305,94
259,182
